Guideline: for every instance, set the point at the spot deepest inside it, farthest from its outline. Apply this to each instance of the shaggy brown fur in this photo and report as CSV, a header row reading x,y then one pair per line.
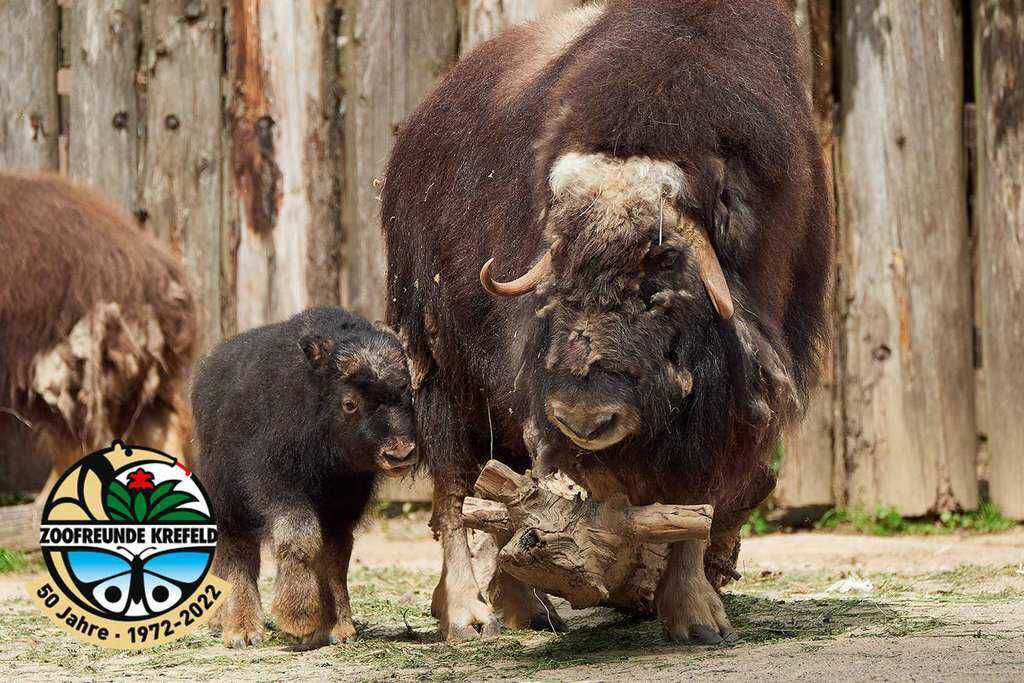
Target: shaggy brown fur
x,y
652,127
97,323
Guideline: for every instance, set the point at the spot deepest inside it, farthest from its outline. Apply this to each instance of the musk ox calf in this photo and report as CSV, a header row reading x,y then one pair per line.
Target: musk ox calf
x,y
97,323
294,422
651,169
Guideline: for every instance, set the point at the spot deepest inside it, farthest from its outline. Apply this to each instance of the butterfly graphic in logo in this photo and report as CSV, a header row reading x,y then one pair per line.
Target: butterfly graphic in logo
x,y
137,587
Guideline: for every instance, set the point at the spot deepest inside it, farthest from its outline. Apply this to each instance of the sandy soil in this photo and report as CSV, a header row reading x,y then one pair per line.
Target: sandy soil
x,y
939,608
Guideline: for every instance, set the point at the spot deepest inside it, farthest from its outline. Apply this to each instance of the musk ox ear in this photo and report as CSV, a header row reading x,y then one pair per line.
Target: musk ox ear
x,y
318,349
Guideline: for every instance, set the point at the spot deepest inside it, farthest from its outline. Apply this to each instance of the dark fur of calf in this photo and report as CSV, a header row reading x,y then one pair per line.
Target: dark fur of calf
x,y
97,323
295,421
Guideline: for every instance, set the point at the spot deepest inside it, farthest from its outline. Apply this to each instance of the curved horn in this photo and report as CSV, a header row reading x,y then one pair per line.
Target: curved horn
x,y
710,271
522,285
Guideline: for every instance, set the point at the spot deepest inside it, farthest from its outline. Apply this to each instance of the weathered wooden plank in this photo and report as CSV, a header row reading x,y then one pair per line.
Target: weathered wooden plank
x,y
907,376
181,175
104,118
484,19
394,53
284,159
999,81
807,470
29,119
19,526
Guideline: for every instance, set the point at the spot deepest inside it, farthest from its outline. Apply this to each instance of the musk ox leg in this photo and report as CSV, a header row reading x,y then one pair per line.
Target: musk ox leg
x,y
240,618
303,605
724,549
517,605
458,603
337,553
689,607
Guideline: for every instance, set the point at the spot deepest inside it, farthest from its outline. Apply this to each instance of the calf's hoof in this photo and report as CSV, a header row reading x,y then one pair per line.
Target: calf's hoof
x,y
241,639
343,632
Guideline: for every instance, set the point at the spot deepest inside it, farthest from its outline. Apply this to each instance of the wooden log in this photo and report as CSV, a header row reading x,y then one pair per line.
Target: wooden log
x,y
483,19
282,251
29,119
395,51
104,118
907,403
807,469
487,515
181,176
557,538
999,80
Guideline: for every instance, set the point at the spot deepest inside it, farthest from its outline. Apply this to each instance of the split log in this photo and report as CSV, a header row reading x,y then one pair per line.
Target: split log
x,y
281,175
555,537
29,123
999,78
104,117
907,360
394,53
181,170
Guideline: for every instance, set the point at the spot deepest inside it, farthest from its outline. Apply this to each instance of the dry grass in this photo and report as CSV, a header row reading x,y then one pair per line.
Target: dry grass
x,y
399,638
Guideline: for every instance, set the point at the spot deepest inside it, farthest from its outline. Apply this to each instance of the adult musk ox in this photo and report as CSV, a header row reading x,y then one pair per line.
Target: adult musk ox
x,y
646,177
97,323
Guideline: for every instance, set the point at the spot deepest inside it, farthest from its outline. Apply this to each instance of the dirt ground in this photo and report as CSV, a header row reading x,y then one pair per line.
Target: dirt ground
x,y
915,608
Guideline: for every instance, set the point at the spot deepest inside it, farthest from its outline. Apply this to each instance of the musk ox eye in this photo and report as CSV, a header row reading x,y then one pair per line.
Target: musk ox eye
x,y
349,405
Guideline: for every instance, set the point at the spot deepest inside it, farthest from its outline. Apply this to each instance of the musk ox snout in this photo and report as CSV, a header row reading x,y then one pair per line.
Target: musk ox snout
x,y
397,457
591,425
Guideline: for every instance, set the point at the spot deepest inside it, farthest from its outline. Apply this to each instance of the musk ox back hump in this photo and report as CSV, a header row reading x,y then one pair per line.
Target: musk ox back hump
x,y
95,316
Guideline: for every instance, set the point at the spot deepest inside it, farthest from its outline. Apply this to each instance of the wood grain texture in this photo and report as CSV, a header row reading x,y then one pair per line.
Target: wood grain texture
x,y
807,469
999,204
556,537
29,119
283,184
104,118
181,176
907,376
484,19
394,53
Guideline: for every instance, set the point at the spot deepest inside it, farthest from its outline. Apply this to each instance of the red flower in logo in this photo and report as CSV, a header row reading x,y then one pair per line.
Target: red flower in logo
x,y
140,480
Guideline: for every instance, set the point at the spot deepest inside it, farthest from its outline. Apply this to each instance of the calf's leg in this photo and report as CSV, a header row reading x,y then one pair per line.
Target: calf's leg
x,y
337,553
689,607
240,618
303,605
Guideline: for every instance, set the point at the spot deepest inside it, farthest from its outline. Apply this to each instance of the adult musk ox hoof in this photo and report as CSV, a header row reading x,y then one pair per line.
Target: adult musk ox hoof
x,y
314,640
465,624
705,635
694,614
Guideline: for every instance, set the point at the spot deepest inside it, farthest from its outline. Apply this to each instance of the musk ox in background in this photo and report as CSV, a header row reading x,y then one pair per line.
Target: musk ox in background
x,y
294,422
97,323
651,169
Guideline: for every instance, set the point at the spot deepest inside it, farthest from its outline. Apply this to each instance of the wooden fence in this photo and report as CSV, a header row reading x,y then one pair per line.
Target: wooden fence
x,y
251,135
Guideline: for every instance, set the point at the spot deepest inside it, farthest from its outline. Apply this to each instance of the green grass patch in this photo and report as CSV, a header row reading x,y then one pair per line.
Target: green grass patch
x,y
757,525
12,561
887,521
